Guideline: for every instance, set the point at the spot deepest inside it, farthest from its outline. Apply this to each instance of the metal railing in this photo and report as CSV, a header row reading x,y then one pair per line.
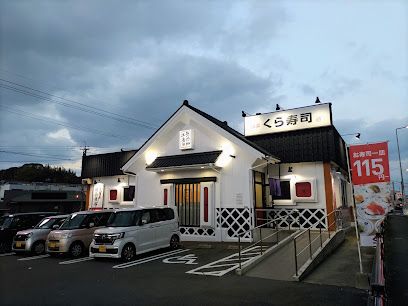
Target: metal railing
x,y
261,238
337,223
377,282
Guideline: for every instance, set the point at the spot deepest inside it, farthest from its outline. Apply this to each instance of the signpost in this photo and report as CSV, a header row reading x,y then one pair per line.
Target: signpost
x,y
372,193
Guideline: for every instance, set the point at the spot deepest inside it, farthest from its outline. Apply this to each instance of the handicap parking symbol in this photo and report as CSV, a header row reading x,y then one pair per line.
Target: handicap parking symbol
x,y
189,259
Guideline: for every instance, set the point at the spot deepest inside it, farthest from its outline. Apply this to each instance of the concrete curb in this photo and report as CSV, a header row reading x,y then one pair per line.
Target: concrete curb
x,y
256,260
327,248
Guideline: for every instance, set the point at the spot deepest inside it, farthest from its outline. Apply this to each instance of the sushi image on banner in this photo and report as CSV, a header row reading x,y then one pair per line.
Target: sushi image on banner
x,y
372,191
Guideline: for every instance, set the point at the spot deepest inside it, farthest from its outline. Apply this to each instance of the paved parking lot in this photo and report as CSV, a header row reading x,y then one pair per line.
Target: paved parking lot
x,y
190,275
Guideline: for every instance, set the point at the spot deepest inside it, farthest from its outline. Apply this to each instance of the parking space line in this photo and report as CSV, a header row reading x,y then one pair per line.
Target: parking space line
x,y
225,265
147,259
7,254
72,261
34,257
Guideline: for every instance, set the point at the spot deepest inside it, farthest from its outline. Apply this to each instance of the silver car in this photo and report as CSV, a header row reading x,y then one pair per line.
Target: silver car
x,y
136,231
76,233
33,240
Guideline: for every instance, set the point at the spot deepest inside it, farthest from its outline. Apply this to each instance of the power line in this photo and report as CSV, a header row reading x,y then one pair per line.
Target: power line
x,y
83,107
37,96
29,161
34,155
48,120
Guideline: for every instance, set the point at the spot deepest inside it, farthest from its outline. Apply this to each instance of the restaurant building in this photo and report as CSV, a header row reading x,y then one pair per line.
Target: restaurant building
x,y
290,166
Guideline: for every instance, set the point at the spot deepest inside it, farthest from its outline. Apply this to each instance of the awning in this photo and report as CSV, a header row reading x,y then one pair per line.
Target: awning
x,y
192,160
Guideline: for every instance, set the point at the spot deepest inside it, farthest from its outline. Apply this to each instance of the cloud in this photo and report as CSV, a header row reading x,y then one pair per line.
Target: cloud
x,y
61,135
308,90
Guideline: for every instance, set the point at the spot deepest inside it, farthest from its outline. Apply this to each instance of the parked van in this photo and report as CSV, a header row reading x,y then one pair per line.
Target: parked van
x,y
33,240
136,231
75,234
11,224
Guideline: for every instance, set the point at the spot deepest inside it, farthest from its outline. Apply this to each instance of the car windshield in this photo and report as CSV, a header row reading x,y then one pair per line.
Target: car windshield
x,y
5,221
74,221
123,218
48,223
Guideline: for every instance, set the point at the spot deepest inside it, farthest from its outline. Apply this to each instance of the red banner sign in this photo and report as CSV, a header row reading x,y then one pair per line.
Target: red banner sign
x,y
369,163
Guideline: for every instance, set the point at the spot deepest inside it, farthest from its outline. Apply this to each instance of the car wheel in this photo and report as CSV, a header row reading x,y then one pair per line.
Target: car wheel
x,y
174,242
128,252
38,247
76,249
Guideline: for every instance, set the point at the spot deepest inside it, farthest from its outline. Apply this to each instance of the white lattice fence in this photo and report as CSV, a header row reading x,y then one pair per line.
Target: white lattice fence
x,y
197,231
296,217
235,221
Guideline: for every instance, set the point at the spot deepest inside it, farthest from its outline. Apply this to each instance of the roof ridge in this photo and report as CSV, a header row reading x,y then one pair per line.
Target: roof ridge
x,y
226,127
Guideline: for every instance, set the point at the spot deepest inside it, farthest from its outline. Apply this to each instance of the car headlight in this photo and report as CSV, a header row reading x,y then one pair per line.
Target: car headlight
x,y
29,235
66,235
116,236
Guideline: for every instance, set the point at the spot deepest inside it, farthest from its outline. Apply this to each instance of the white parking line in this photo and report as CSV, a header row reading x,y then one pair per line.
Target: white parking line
x,y
72,261
147,259
7,254
225,265
34,257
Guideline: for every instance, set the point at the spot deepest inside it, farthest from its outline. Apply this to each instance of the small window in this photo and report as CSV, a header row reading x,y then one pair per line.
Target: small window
x,y
113,195
165,196
303,189
169,213
128,193
285,191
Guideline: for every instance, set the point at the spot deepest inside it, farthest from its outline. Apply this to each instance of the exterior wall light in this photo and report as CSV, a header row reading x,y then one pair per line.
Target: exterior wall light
x,y
290,169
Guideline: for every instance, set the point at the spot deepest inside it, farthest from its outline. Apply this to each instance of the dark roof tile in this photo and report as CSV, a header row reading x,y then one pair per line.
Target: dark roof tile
x,y
185,160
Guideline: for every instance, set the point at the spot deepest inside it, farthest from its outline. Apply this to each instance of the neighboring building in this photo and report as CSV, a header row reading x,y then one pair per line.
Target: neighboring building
x,y
106,185
220,180
32,197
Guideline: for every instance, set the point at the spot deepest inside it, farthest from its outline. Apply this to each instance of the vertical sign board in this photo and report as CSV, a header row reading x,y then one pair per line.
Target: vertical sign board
x,y
97,198
372,192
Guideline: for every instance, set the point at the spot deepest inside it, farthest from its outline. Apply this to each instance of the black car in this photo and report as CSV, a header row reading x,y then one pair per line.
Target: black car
x,y
11,224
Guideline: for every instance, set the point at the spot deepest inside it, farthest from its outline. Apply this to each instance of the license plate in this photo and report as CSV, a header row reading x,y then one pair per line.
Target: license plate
x,y
102,249
52,244
18,244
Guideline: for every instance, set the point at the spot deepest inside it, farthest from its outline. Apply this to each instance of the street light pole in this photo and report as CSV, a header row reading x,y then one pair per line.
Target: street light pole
x,y
399,158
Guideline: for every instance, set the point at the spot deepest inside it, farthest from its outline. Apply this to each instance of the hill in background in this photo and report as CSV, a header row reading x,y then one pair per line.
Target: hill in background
x,y
39,173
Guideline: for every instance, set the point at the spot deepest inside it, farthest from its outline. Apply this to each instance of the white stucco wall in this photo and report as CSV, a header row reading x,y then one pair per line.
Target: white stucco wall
x,y
111,182
234,180
302,171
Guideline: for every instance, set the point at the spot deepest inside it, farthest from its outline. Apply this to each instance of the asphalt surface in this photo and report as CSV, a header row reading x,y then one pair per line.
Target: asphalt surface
x,y
396,259
46,281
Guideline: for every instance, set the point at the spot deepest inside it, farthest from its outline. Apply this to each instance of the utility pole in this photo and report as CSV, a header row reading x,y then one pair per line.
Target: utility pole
x,y
84,150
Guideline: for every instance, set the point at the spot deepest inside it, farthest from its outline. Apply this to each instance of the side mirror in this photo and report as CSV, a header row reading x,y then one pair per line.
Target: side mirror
x,y
91,224
55,226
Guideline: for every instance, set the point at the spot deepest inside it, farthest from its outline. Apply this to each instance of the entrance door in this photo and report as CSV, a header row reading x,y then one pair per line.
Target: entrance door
x,y
187,201
259,197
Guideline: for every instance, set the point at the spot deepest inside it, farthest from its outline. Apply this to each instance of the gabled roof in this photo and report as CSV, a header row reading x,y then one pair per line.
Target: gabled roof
x,y
217,122
185,160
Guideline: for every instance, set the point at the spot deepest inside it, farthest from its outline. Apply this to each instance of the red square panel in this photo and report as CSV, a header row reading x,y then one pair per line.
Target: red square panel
x,y
113,195
303,189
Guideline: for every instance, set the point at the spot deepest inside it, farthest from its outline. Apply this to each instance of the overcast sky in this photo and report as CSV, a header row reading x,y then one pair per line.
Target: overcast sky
x,y
141,59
